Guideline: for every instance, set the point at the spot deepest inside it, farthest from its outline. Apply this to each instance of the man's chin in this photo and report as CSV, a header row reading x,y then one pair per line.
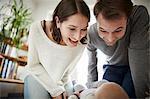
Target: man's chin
x,y
110,44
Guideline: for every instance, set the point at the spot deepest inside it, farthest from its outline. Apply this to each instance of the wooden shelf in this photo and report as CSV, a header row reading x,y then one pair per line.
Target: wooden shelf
x,y
9,41
19,60
11,81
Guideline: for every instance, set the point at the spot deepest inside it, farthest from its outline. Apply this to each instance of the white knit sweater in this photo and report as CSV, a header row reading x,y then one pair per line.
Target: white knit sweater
x,y
50,63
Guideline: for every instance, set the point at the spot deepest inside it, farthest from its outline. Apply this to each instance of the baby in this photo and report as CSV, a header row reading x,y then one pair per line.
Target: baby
x,y
99,90
110,90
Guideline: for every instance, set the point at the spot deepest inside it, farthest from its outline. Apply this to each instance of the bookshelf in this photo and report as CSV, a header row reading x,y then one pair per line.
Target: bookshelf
x,y
9,61
10,86
14,31
11,81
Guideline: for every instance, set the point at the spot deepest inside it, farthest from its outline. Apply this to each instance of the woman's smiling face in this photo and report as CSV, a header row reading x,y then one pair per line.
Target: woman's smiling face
x,y
73,29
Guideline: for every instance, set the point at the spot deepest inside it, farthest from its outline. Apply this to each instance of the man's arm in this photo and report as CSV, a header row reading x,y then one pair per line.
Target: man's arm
x,y
92,56
92,64
139,51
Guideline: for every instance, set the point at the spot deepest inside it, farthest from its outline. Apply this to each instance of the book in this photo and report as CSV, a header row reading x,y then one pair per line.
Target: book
x,y
9,68
4,68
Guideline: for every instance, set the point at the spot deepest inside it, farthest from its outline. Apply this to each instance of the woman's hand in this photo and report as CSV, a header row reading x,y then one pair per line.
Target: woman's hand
x,y
58,97
1,56
61,96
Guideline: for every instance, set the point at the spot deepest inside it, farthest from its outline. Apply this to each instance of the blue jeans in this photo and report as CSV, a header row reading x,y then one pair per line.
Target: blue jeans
x,y
34,90
122,76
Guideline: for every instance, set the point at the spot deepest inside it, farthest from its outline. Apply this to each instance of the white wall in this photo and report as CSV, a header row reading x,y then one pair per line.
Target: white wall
x,y
146,3
44,8
41,9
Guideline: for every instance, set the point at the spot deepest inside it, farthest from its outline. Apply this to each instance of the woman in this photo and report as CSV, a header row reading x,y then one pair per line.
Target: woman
x,y
121,33
54,49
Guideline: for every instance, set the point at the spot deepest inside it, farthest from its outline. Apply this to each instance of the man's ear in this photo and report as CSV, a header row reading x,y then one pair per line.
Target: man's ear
x,y
57,22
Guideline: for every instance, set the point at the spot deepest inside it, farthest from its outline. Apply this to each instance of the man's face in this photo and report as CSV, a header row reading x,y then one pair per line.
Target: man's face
x,y
111,30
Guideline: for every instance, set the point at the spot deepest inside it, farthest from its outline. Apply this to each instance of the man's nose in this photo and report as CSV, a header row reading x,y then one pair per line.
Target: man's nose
x,y
110,37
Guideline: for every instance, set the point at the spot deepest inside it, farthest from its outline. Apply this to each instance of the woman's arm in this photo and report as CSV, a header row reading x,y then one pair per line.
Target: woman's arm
x,y
71,67
35,67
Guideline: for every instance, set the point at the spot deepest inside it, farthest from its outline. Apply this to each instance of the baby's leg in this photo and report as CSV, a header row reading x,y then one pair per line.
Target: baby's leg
x,y
110,90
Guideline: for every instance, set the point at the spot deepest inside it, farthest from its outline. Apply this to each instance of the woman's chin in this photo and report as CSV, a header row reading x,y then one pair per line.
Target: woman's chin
x,y
72,43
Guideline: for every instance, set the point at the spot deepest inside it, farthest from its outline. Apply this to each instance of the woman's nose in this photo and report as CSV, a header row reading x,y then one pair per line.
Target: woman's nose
x,y
77,35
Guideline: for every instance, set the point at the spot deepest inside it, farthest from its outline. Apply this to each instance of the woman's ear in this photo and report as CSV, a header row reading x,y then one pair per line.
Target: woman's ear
x,y
57,22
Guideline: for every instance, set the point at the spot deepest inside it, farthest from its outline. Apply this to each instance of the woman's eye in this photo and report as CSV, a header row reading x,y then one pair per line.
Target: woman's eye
x,y
84,29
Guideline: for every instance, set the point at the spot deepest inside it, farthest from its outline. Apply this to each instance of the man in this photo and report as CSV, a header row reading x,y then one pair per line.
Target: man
x,y
121,32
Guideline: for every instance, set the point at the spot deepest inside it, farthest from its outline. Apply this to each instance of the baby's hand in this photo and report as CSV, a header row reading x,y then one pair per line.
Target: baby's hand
x,y
78,88
74,97
88,94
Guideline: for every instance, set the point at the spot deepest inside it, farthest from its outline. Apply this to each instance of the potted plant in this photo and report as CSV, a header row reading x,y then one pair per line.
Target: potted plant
x,y
16,24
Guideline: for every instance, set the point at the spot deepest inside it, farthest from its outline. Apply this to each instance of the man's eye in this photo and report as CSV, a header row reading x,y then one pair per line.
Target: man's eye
x,y
103,31
118,31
